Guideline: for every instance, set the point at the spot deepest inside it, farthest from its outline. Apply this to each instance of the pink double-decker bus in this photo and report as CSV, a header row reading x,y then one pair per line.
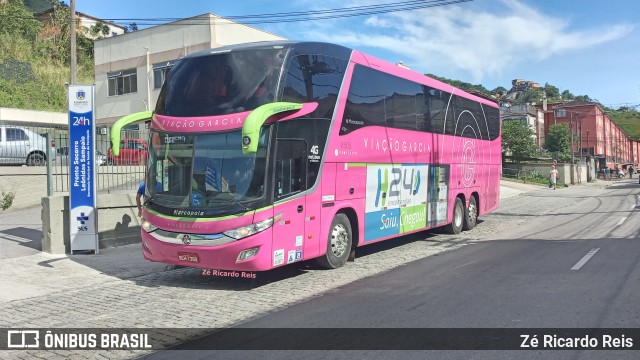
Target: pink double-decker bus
x,y
270,153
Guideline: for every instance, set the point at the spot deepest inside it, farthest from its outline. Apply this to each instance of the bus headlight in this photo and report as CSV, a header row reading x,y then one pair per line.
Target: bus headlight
x,y
243,232
148,227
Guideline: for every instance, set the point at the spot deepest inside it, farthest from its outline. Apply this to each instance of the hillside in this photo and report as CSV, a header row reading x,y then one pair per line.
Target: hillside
x,y
34,59
629,122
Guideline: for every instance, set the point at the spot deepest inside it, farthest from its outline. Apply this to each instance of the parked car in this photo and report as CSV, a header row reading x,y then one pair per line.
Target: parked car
x,y
62,156
132,152
20,145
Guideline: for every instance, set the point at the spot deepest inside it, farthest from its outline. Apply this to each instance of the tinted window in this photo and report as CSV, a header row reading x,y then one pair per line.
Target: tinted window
x,y
16,135
314,132
221,84
290,175
377,98
314,78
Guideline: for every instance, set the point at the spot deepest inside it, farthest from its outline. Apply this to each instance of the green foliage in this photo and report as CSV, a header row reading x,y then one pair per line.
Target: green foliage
x,y
558,139
33,72
99,30
628,120
6,199
517,140
466,86
16,20
552,91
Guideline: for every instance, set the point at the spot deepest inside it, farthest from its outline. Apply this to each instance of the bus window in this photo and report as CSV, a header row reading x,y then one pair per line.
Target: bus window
x,y
291,175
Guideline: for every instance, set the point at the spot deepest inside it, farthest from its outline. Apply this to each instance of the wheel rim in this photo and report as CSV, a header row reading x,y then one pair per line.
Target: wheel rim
x,y
457,215
339,240
473,213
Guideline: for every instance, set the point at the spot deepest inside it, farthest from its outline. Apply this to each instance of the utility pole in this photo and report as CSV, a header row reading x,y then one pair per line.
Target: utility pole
x,y
572,159
74,63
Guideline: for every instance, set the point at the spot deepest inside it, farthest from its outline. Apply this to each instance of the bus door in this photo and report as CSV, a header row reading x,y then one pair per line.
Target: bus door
x,y
290,183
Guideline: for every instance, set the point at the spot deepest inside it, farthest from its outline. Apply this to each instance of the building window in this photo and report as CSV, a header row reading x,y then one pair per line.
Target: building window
x,y
160,72
561,113
123,82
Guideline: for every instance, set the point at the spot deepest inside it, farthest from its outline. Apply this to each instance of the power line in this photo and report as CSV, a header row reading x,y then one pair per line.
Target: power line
x,y
327,14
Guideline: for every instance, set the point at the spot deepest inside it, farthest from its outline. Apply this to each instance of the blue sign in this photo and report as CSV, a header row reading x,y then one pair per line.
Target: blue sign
x,y
82,170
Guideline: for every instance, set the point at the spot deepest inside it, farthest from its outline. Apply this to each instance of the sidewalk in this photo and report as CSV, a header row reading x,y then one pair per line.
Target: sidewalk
x,y
26,272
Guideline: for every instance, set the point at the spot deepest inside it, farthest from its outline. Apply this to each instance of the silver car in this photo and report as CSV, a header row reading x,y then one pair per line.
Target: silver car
x,y
63,156
19,145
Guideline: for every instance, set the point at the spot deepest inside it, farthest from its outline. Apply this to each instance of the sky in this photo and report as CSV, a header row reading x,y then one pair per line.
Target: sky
x,y
589,47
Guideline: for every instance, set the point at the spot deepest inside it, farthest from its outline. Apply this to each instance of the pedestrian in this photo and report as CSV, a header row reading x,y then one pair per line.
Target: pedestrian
x,y
606,173
141,193
630,171
553,176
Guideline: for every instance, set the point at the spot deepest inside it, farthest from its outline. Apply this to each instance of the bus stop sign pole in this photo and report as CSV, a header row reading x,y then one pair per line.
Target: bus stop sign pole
x,y
83,215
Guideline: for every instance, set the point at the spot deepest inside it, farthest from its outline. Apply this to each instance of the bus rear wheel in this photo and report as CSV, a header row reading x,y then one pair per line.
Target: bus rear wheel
x,y
458,218
471,214
338,243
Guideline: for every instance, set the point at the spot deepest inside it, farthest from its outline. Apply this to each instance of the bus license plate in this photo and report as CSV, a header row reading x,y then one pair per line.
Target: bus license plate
x,y
189,257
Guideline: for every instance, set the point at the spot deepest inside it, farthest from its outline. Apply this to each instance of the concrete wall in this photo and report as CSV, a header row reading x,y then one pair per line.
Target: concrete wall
x,y
118,222
564,171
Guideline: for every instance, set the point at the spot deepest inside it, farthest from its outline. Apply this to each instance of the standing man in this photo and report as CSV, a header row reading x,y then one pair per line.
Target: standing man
x,y
630,171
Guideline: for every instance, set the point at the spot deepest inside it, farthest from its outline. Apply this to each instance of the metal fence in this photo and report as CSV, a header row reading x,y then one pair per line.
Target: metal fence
x,y
524,175
38,145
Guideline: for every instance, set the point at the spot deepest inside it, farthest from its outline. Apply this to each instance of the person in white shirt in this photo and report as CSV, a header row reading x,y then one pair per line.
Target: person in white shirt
x,y
553,176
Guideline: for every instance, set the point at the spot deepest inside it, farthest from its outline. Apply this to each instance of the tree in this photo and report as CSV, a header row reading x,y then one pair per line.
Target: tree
x,y
99,30
567,95
16,20
132,27
552,91
558,139
517,140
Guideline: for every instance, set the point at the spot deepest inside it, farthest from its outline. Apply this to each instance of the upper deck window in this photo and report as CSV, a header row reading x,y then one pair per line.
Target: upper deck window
x,y
223,83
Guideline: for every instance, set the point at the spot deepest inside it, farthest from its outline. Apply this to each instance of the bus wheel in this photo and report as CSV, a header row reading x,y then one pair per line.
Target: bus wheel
x,y
458,218
338,244
471,214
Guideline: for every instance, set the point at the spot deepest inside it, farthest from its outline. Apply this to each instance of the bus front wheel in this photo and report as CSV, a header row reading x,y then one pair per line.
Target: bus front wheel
x,y
471,214
458,218
338,243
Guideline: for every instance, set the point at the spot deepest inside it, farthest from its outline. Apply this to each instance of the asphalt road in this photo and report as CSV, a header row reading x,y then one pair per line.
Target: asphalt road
x,y
575,266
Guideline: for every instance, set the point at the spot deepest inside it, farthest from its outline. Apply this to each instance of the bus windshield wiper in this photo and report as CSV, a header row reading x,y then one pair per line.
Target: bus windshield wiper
x,y
229,198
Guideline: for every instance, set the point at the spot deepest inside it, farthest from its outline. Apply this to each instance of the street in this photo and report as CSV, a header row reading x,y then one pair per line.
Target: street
x,y
513,270
576,266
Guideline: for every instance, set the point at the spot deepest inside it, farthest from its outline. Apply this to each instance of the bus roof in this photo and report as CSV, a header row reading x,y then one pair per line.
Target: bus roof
x,y
297,46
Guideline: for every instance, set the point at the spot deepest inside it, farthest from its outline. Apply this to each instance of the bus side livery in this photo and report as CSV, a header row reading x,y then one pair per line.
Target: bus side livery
x,y
271,153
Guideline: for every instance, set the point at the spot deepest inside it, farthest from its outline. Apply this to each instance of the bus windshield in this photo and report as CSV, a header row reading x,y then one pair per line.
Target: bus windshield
x,y
206,171
220,84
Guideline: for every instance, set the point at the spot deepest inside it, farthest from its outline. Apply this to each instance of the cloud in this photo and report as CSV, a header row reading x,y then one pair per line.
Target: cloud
x,y
478,41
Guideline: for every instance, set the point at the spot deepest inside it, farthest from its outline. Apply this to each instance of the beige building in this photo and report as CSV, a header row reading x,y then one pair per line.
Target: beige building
x,y
130,69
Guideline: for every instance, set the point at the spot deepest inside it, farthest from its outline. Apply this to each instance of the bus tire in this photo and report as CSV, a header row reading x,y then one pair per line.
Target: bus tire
x,y
458,218
471,214
338,243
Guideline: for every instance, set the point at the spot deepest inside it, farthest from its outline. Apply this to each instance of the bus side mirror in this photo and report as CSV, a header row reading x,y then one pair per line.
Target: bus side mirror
x,y
122,122
276,111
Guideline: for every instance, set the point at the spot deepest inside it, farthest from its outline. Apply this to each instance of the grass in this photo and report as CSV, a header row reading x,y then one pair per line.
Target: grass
x,y
629,122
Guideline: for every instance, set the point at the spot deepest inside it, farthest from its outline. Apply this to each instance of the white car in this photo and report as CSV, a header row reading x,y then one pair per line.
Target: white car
x,y
19,145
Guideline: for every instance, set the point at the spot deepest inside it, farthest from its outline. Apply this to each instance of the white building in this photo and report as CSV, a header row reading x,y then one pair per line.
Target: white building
x,y
130,69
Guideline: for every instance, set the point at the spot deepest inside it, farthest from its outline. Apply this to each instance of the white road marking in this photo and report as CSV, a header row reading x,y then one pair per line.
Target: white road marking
x,y
586,258
621,220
